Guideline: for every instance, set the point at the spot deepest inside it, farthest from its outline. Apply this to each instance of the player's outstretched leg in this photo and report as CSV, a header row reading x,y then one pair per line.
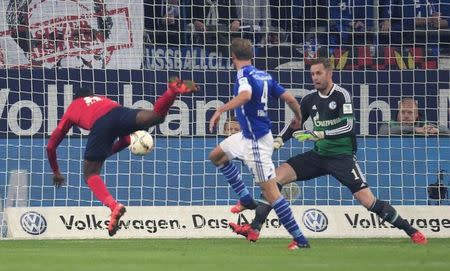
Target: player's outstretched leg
x,y
261,213
283,210
234,178
182,86
252,231
101,192
241,206
148,118
113,226
284,213
388,213
245,230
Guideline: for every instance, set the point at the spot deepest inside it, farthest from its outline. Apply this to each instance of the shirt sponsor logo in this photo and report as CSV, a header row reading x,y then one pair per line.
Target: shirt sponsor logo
x,y
33,223
315,220
325,123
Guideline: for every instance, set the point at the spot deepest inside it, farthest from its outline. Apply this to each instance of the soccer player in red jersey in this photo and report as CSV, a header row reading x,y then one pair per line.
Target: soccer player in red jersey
x,y
107,120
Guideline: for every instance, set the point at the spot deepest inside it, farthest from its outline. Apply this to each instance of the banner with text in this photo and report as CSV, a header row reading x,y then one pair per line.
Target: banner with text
x,y
212,221
71,34
31,101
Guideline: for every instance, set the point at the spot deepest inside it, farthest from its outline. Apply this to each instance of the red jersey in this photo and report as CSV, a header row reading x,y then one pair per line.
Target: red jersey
x,y
83,112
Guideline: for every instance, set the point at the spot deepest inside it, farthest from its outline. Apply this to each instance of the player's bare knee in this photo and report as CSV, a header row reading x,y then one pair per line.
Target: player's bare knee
x,y
365,197
91,168
217,156
285,174
270,191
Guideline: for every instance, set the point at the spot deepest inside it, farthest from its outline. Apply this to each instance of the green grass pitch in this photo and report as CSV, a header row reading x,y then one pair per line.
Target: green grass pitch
x,y
223,254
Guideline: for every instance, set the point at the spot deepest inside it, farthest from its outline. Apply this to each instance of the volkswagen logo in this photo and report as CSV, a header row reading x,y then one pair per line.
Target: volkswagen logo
x,y
315,220
33,223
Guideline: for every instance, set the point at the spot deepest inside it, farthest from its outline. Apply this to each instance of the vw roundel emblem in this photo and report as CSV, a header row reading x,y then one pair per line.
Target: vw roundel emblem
x,y
315,220
33,223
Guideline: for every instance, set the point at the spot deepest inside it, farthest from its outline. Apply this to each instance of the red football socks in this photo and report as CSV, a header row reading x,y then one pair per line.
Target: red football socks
x,y
164,102
101,192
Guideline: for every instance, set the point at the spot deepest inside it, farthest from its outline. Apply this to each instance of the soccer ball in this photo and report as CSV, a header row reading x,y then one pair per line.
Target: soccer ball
x,y
141,143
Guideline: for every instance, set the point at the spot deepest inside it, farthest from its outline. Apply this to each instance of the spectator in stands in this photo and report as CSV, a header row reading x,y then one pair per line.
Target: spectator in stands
x,y
231,126
213,20
444,41
408,122
411,21
254,18
162,21
349,21
310,26
288,20
281,21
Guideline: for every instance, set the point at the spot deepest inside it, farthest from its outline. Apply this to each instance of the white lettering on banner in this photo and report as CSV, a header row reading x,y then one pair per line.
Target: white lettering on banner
x,y
176,123
212,221
181,120
202,108
365,109
444,110
373,221
35,118
170,59
52,110
76,34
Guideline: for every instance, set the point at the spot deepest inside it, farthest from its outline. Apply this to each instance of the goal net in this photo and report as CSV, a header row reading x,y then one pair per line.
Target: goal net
x,y
127,50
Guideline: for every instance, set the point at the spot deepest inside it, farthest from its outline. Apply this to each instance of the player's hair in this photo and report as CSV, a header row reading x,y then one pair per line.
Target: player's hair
x,y
405,99
324,61
242,49
83,92
229,120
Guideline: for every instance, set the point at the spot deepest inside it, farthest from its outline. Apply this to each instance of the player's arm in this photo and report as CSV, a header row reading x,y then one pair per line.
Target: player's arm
x,y
291,127
293,104
244,96
55,139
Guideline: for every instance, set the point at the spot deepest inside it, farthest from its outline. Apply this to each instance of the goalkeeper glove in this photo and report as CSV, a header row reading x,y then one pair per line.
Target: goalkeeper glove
x,y
277,143
303,135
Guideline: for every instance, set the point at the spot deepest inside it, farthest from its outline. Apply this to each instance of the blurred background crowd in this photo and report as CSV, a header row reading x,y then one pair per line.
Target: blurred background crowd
x,y
311,23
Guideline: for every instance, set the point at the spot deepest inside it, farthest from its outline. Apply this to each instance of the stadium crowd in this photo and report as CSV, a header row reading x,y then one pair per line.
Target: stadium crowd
x,y
419,23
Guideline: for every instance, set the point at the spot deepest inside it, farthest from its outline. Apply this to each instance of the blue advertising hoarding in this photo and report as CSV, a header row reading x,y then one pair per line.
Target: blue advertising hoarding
x,y
177,172
32,100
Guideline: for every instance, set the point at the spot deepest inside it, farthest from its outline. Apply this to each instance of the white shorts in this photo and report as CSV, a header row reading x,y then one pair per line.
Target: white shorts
x,y
257,154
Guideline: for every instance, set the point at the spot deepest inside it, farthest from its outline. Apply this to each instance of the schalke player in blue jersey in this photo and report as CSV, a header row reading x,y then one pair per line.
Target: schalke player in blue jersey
x,y
254,144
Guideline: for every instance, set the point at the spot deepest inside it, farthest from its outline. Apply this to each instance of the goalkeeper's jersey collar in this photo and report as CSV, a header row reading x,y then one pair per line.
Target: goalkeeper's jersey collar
x,y
329,94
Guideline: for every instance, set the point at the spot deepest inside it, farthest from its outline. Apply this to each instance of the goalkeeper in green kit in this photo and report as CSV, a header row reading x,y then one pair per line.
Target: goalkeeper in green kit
x,y
330,108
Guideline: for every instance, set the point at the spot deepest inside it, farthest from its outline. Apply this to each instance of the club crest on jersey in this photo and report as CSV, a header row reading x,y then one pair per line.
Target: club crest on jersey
x,y
332,105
